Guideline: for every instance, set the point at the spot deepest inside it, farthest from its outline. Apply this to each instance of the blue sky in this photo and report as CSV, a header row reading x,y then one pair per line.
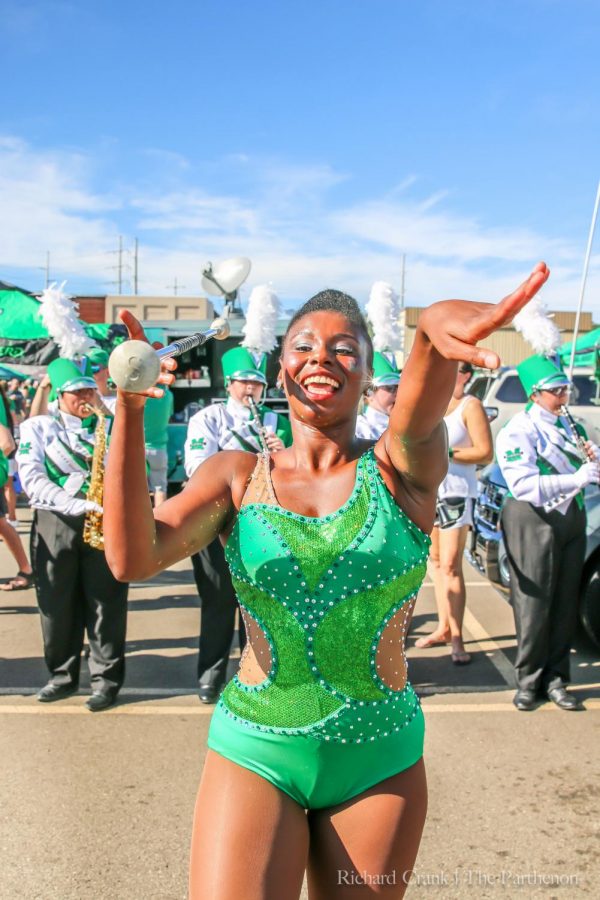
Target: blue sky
x,y
323,140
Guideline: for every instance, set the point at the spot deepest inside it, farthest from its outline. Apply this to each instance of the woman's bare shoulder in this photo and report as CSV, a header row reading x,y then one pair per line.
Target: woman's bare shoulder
x,y
233,463
472,407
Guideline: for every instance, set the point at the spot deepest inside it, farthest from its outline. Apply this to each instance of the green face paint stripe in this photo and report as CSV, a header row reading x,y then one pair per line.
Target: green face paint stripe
x,y
346,639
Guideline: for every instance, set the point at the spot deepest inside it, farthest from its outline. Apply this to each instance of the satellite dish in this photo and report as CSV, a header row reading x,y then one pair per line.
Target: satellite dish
x,y
225,278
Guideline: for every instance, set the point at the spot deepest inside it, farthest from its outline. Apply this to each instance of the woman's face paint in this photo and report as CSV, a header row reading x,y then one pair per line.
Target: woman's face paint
x,y
324,367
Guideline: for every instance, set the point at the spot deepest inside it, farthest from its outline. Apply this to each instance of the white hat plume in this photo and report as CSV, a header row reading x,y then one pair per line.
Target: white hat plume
x,y
383,311
59,315
261,319
537,327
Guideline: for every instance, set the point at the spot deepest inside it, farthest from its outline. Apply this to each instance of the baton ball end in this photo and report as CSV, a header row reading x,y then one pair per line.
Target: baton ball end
x,y
223,326
134,366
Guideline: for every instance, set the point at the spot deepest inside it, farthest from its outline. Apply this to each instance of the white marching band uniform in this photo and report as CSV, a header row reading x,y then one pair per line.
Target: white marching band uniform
x,y
540,460
371,423
225,426
543,521
76,591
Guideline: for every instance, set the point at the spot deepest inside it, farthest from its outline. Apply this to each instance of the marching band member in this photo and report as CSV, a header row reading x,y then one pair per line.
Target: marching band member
x,y
231,426
379,399
543,520
76,591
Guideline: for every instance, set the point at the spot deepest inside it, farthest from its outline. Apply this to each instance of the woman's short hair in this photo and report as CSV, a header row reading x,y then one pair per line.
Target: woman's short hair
x,y
335,301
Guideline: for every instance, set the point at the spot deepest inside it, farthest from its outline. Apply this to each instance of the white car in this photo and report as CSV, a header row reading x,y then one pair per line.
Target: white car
x,y
502,395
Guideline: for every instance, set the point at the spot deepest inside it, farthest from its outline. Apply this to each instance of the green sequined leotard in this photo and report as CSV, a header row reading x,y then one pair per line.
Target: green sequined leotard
x,y
321,705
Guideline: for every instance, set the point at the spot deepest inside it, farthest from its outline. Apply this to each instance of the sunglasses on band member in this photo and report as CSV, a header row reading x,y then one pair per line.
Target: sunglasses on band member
x,y
557,391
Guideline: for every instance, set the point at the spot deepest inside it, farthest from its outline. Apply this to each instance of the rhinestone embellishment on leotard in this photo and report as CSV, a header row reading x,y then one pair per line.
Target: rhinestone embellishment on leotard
x,y
324,592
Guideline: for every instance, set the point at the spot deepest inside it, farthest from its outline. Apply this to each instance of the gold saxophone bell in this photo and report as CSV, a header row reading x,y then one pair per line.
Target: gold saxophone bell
x,y
93,532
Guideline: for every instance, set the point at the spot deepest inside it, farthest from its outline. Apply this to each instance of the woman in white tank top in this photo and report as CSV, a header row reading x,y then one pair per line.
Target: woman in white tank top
x,y
470,445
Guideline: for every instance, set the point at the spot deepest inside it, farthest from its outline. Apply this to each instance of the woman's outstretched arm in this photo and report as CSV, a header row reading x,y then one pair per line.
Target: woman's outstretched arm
x,y
140,541
447,332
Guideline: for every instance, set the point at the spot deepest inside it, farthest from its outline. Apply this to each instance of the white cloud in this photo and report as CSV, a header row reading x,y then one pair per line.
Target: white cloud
x,y
286,217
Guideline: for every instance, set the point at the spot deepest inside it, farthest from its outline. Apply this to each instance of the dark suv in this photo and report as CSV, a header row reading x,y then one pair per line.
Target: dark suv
x,y
487,553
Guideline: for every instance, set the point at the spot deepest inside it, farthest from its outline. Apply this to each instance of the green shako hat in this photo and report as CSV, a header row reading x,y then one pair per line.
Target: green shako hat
x,y
239,364
67,375
385,370
538,373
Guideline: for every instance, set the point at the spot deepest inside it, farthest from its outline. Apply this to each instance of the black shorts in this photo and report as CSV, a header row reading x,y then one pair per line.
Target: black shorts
x,y
3,506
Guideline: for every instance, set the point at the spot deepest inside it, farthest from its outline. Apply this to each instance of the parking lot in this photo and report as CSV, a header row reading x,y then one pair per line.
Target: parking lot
x,y
100,805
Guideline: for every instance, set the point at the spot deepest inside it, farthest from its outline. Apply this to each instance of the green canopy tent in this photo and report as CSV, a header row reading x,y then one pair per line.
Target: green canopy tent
x,y
7,372
585,349
24,340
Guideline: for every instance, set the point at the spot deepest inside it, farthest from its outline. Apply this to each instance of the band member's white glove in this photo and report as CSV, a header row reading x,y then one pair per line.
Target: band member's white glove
x,y
90,506
274,443
589,473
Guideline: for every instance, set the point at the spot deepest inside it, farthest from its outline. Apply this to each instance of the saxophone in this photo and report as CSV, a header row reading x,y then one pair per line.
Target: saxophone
x,y
93,533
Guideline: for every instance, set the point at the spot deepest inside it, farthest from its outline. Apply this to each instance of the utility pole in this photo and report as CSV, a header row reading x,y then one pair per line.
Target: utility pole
x,y
135,267
174,287
119,266
46,268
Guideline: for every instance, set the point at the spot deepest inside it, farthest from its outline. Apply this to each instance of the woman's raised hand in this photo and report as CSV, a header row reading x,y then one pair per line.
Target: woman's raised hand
x,y
167,365
455,326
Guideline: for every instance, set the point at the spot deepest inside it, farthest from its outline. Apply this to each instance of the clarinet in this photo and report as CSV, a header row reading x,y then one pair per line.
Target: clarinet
x,y
262,431
580,441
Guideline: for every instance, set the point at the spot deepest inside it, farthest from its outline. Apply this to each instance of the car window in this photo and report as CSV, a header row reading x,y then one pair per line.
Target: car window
x,y
511,390
478,387
584,391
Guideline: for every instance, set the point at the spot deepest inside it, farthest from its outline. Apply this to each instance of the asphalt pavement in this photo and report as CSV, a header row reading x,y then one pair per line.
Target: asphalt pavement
x,y
100,805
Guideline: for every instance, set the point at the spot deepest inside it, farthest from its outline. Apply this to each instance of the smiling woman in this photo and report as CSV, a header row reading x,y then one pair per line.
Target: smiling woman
x,y
316,746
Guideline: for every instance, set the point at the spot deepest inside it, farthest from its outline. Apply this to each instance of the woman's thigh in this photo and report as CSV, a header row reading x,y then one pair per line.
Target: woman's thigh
x,y
249,839
452,543
371,840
